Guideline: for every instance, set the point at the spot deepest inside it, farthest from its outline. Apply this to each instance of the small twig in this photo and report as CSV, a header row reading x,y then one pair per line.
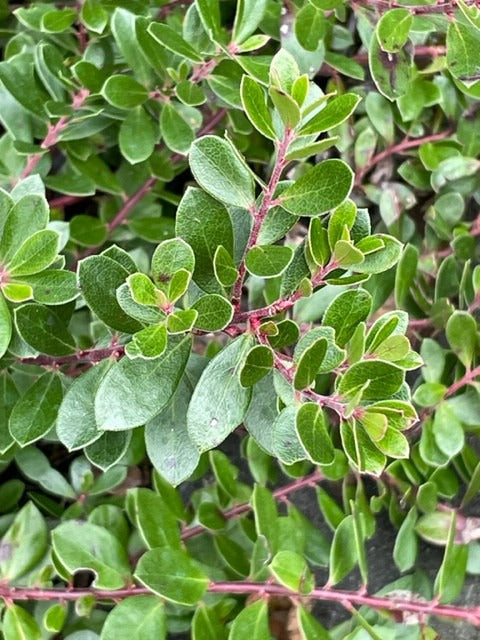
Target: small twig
x,y
397,149
279,494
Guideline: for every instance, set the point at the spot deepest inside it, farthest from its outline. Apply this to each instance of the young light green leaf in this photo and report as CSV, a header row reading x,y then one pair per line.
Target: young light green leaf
x,y
24,543
313,434
382,379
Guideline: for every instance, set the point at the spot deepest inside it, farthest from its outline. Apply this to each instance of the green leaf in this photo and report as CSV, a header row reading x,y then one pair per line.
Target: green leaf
x,y
5,326
406,543
391,72
268,261
248,16
204,224
170,39
141,617
286,444
137,136
83,545
76,424
291,570
94,16
343,554
218,169
17,292
310,27
44,330
124,92
345,312
283,71
59,20
169,257
255,107
451,575
383,379
173,575
54,618
219,402
286,106
380,113
251,622
151,516
87,230
224,267
168,443
382,259
319,190
313,434
334,113
448,430
133,391
309,363
309,627
35,466
463,55
207,623
181,321
176,132
18,624
214,312
461,333
36,254
102,299
406,272
35,413
148,343
28,215
123,26
393,29
24,544
346,255
109,449
258,364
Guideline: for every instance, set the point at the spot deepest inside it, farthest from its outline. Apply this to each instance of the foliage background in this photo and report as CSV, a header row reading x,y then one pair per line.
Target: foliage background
x,y
117,197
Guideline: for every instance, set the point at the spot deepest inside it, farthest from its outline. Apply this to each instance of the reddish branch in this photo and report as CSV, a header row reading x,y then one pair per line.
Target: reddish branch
x,y
386,5
53,132
280,494
92,356
260,212
399,148
244,587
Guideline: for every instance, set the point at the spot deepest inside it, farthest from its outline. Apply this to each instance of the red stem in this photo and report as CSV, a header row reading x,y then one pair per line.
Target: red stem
x,y
398,148
259,213
244,587
244,507
53,132
85,355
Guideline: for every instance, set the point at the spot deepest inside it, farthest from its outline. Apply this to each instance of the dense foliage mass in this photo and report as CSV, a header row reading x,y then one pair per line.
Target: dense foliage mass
x,y
252,220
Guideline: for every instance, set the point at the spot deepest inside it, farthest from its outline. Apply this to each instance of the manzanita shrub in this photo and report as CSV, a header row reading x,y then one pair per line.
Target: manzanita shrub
x,y
245,220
